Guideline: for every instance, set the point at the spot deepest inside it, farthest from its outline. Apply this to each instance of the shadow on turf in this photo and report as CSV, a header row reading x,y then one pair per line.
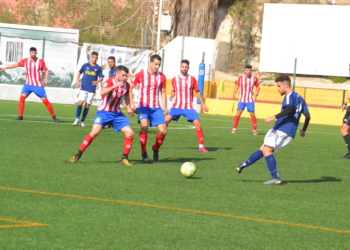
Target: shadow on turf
x,y
180,160
209,149
322,179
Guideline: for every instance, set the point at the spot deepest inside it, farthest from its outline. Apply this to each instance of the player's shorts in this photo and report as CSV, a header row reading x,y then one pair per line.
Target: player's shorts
x,y
346,119
154,115
189,114
38,90
250,106
85,96
277,139
116,119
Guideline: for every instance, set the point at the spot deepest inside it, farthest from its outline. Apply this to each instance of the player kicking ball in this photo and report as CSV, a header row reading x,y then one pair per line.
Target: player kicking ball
x,y
112,91
183,86
284,130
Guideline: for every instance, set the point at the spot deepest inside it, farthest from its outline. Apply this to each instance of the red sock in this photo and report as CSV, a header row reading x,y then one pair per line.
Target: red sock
x,y
87,141
127,145
48,106
159,141
254,125
21,105
200,136
235,121
143,141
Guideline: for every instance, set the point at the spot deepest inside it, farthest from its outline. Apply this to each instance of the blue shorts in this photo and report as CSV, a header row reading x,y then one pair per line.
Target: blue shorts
x,y
189,114
116,119
38,90
250,106
154,115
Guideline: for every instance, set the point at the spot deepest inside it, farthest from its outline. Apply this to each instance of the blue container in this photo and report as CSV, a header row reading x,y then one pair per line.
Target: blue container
x,y
201,76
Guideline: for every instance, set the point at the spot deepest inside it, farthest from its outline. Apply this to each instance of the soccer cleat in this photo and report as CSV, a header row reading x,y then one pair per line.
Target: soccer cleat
x,y
76,122
155,154
240,167
55,119
107,126
347,156
82,124
19,118
125,161
255,132
75,158
145,157
273,182
203,149
233,131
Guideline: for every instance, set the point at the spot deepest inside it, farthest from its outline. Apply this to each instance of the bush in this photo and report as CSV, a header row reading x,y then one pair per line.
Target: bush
x,y
337,79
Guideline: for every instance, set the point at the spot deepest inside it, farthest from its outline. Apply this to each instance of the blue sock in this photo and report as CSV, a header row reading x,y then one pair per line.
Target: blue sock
x,y
253,158
86,111
79,108
271,165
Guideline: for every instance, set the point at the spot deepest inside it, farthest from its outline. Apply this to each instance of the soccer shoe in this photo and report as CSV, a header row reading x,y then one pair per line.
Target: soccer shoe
x,y
125,161
347,156
75,158
82,124
203,149
273,182
233,131
107,126
76,122
55,119
145,157
240,167
255,132
155,154
19,118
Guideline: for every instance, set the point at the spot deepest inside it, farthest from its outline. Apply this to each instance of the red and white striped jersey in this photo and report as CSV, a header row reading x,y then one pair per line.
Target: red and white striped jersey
x,y
246,90
112,100
149,86
34,71
183,88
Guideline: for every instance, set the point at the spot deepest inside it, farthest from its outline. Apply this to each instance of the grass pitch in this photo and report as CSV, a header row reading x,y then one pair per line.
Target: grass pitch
x,y
46,202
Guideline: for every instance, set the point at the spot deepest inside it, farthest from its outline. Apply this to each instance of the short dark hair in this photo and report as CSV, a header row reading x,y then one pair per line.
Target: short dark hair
x,y
32,49
185,61
111,57
122,68
155,57
94,53
248,66
283,78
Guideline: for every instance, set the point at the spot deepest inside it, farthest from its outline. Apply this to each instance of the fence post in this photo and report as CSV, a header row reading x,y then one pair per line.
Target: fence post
x,y
201,77
343,101
162,65
295,70
43,54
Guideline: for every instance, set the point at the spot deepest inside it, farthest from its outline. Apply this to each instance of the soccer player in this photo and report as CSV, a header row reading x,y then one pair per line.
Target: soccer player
x,y
344,130
34,67
183,86
246,85
283,131
150,83
112,67
92,76
112,92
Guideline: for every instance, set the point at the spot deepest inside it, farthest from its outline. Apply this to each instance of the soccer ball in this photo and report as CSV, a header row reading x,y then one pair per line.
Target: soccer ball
x,y
188,169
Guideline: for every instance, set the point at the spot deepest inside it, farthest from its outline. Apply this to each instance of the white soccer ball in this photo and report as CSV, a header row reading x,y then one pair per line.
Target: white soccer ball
x,y
188,169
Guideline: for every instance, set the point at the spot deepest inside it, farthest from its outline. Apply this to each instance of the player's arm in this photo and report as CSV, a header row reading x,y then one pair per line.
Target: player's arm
x,y
132,86
106,90
46,80
98,80
345,104
235,91
164,101
172,95
287,110
12,66
200,98
257,90
127,104
77,83
306,124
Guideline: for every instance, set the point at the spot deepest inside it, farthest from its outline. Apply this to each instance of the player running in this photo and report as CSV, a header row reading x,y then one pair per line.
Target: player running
x,y
284,130
34,67
344,130
92,76
246,85
183,86
150,83
113,91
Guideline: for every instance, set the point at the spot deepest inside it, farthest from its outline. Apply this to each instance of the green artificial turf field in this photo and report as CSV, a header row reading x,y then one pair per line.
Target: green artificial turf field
x,y
46,202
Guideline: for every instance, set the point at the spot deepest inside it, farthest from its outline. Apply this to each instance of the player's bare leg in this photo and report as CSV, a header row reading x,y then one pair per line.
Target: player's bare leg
x,y
236,120
129,135
200,136
143,139
254,123
21,105
168,119
159,140
96,129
